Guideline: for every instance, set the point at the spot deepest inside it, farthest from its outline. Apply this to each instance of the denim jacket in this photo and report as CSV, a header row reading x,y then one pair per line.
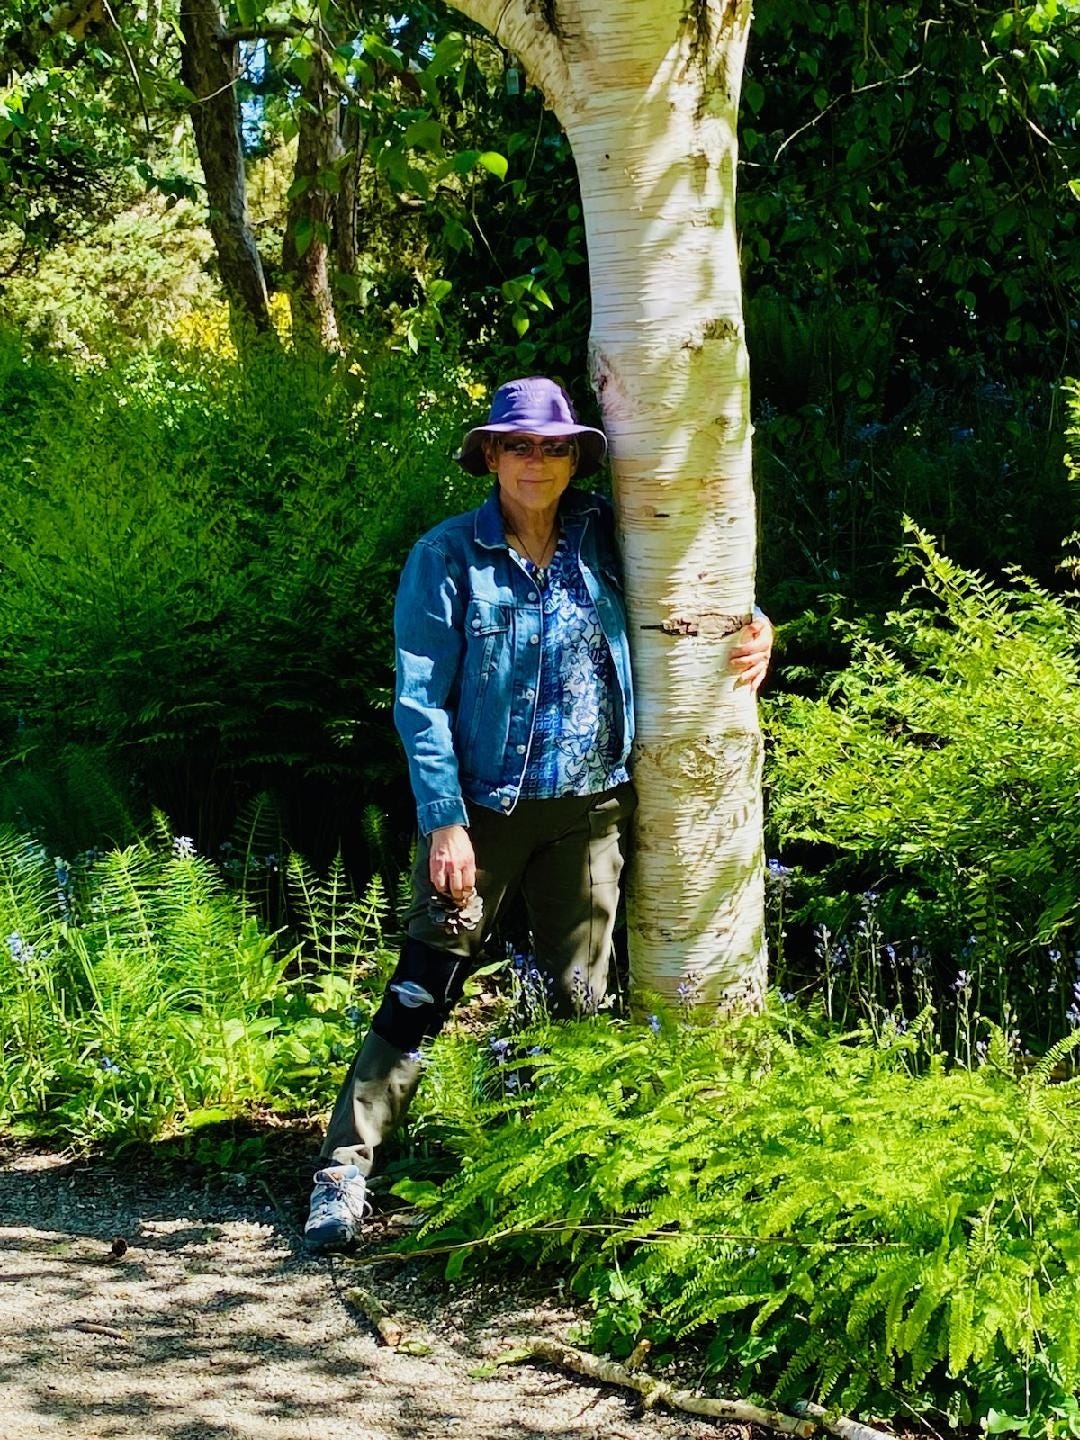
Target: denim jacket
x,y
467,629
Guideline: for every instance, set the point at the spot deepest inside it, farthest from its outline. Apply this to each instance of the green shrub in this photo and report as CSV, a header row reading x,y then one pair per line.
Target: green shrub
x,y
822,1219
199,566
941,771
976,462
138,992
121,282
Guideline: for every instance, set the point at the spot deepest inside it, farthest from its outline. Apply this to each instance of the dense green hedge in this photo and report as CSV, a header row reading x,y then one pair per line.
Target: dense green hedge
x,y
199,565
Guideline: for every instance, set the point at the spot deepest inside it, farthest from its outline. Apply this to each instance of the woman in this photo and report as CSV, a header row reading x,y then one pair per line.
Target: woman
x,y
515,706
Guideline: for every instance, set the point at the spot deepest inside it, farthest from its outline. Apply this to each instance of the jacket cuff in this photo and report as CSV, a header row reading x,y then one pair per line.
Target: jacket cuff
x,y
437,813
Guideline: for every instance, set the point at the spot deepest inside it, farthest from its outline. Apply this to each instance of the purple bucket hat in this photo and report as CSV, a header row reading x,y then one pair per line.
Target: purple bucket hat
x,y
535,406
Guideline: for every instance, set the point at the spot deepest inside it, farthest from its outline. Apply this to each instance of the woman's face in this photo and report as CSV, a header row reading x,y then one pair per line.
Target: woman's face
x,y
533,480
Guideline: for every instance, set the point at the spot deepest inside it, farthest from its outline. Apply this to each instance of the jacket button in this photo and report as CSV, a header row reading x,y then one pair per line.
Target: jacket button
x,y
521,749
533,595
505,802
530,694
534,639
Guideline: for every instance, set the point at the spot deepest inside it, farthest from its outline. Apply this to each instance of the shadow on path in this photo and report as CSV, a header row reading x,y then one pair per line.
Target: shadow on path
x,y
213,1325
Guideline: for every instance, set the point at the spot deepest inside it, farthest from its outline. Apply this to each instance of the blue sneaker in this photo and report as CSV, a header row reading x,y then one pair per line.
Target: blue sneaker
x,y
339,1207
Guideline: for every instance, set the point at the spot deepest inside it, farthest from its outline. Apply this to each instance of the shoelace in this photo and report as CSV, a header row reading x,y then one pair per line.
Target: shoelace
x,y
341,1189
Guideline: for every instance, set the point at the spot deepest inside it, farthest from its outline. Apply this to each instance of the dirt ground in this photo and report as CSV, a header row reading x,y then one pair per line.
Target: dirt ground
x,y
214,1325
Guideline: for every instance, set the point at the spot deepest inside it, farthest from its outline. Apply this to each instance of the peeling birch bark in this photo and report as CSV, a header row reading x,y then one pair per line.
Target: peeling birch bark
x,y
648,95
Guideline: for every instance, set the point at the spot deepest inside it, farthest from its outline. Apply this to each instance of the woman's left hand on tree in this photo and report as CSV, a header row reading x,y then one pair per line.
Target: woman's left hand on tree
x,y
751,655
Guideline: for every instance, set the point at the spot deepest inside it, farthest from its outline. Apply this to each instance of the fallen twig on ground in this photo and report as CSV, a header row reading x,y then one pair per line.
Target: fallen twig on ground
x,y
838,1424
88,1327
658,1392
373,1309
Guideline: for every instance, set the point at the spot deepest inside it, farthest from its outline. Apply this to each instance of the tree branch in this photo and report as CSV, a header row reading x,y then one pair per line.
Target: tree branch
x,y
264,32
131,66
525,34
659,1392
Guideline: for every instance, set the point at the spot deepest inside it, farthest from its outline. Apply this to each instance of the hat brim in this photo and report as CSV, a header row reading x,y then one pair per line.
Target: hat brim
x,y
592,444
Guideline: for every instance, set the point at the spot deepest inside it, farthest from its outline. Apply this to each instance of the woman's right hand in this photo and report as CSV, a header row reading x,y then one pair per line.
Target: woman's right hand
x,y
451,862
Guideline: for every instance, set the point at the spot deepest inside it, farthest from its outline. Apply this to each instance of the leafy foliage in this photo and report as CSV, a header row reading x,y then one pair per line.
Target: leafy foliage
x,y
200,561
941,769
138,993
924,152
88,95
131,278
821,1217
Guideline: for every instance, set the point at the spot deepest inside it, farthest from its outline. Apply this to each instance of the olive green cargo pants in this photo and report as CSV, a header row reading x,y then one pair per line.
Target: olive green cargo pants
x,y
565,857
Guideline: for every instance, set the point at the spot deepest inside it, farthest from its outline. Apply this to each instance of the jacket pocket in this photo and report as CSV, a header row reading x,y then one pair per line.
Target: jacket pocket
x,y
486,617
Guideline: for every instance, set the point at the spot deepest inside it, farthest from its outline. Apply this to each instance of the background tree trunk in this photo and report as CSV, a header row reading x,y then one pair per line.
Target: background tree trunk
x,y
209,70
306,247
648,96
352,140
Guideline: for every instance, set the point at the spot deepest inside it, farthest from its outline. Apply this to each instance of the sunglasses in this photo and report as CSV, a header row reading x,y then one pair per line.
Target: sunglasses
x,y
549,449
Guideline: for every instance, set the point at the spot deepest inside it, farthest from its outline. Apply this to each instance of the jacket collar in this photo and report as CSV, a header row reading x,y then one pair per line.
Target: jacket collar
x,y
488,530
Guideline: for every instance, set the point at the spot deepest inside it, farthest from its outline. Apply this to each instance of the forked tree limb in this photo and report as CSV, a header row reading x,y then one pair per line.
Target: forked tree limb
x,y
659,1392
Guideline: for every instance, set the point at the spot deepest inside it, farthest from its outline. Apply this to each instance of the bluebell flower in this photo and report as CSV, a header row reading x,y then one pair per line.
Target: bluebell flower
x,y
519,960
654,1024
500,1049
689,989
353,1014
109,1066
962,984
21,951
183,847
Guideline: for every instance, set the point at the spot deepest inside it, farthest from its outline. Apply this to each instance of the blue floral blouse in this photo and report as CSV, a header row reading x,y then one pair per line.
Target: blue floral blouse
x,y
575,740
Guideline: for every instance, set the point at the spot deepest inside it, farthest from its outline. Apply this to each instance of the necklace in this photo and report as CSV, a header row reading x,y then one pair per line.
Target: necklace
x,y
545,558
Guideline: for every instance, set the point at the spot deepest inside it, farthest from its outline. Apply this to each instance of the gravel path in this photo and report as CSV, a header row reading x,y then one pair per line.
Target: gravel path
x,y
212,1325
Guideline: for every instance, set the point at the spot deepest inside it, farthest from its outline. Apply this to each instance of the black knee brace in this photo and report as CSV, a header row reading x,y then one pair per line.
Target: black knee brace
x,y
424,988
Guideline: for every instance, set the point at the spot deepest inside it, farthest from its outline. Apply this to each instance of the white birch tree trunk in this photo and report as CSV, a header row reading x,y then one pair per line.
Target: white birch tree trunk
x,y
647,92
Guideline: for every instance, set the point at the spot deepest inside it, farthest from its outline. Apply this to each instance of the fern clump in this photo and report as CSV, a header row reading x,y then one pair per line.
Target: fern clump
x,y
941,771
824,1219
138,991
